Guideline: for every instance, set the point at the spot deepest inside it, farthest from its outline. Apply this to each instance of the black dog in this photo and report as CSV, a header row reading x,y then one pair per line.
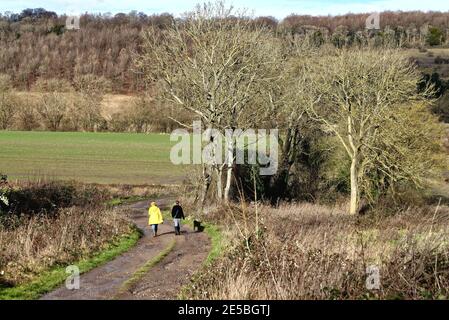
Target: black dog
x,y
197,226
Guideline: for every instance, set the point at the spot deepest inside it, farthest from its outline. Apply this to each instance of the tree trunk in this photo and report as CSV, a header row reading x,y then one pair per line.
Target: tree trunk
x,y
219,172
230,165
206,185
355,196
227,190
278,185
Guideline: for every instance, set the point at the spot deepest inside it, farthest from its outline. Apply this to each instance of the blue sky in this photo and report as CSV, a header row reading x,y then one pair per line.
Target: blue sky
x,y
277,8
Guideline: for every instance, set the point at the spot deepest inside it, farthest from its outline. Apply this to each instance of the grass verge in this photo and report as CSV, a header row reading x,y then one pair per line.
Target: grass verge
x,y
217,248
128,284
54,277
216,238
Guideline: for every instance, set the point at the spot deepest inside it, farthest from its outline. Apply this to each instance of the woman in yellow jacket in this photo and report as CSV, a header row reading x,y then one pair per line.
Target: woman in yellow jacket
x,y
155,217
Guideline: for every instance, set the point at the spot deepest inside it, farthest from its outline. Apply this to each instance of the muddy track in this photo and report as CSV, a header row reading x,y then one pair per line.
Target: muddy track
x,y
163,281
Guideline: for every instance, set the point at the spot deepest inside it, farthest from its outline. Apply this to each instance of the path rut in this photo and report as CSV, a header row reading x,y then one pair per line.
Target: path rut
x,y
162,282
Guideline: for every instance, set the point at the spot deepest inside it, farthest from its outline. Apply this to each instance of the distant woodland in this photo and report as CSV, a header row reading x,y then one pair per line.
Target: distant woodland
x,y
35,43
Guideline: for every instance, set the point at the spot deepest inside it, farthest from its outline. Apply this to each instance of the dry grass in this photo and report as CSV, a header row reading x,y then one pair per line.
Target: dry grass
x,y
111,103
30,245
308,251
49,224
144,191
116,103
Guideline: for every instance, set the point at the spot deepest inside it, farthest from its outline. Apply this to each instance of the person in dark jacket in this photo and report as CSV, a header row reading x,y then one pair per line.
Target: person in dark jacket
x,y
177,214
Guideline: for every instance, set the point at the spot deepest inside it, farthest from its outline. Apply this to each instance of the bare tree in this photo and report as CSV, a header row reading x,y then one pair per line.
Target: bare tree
x,y
211,63
407,152
54,102
87,106
355,94
27,119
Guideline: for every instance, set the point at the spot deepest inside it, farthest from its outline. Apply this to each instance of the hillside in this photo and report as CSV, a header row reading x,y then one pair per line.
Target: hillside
x,y
35,43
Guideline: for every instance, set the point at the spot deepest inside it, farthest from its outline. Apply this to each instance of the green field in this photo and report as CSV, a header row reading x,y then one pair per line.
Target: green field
x,y
106,158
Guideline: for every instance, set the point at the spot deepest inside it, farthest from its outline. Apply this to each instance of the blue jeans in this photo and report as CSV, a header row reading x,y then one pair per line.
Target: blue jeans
x,y
154,227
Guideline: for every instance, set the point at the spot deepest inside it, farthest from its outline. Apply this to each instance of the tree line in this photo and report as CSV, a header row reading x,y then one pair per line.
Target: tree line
x,y
353,119
59,105
36,44
352,114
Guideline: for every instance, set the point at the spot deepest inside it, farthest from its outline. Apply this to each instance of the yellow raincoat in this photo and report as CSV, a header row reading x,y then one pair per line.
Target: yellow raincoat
x,y
155,215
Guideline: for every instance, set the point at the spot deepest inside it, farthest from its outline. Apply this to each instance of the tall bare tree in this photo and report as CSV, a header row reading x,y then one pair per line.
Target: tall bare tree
x,y
54,102
213,63
354,95
87,107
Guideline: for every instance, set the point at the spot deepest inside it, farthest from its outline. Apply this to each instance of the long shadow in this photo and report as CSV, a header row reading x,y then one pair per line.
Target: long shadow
x,y
171,232
165,233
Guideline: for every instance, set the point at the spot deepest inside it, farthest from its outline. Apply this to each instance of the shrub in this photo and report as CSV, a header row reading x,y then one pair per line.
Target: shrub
x,y
52,196
26,118
4,193
35,244
307,251
441,108
439,60
435,36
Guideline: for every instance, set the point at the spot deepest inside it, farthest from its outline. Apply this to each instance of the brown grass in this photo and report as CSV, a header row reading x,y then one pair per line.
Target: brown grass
x,y
116,103
307,251
33,244
111,103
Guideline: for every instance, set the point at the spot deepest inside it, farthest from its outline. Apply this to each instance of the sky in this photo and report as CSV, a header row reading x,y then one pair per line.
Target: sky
x,y
276,8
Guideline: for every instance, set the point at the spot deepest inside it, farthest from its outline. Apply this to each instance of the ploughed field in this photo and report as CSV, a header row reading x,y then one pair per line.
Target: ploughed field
x,y
107,158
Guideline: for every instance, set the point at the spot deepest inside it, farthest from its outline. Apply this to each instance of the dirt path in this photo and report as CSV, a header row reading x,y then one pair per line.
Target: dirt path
x,y
163,281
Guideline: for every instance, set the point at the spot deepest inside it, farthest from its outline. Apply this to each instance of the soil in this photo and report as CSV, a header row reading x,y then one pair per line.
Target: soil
x,y
162,282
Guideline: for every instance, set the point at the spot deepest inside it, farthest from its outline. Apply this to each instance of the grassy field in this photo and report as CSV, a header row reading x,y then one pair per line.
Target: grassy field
x,y
89,157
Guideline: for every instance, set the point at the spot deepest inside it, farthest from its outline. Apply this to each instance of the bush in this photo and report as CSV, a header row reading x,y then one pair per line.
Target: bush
x,y
439,60
435,36
50,197
27,117
53,223
92,85
35,244
441,108
4,193
313,252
